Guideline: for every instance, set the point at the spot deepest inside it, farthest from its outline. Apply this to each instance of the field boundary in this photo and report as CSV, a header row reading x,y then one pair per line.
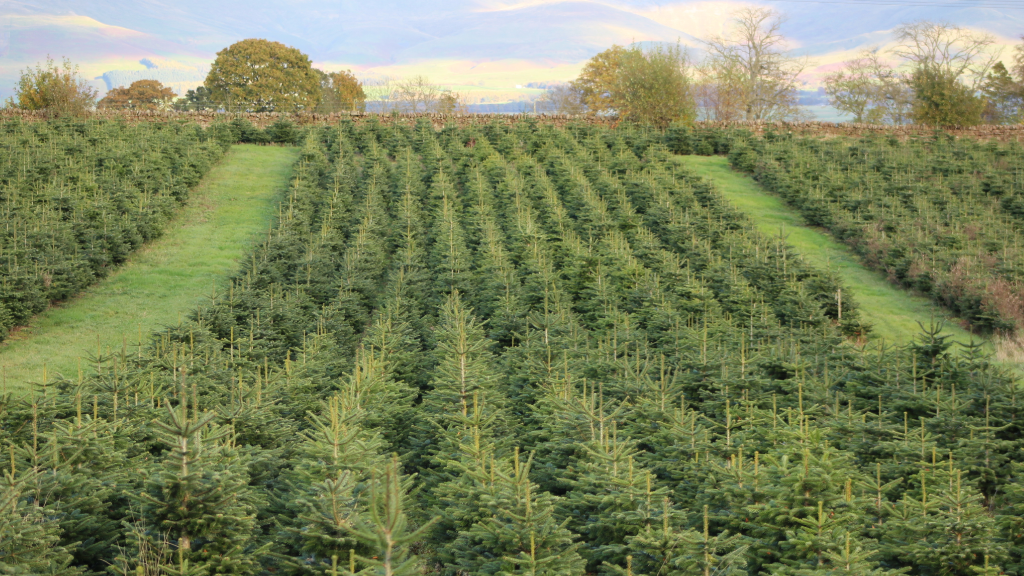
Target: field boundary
x,y
1001,132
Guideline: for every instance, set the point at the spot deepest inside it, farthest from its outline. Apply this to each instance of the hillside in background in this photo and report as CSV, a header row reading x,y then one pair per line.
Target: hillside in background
x,y
481,45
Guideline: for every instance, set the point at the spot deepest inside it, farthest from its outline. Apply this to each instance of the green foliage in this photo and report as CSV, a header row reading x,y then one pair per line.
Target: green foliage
x,y
57,90
941,99
652,86
195,100
79,197
384,528
30,539
197,503
256,75
521,534
682,382
935,215
1004,97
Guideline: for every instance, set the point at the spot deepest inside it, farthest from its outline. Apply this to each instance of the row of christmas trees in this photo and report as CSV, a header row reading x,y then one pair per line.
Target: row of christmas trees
x,y
515,350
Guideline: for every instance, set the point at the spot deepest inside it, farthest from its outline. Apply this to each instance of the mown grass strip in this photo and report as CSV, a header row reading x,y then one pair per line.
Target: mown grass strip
x,y
162,281
893,312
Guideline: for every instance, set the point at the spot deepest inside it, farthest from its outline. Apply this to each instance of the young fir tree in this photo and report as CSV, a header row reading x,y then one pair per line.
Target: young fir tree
x,y
522,534
197,503
948,531
86,474
384,527
672,551
29,537
449,257
465,368
791,484
320,493
610,499
853,561
1012,519
459,502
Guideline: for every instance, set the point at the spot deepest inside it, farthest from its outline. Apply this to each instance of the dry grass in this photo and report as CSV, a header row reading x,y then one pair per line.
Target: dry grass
x,y
1009,348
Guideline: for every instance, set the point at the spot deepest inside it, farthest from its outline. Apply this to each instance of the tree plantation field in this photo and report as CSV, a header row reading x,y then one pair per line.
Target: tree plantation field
x,y
76,198
893,313
516,349
938,215
159,283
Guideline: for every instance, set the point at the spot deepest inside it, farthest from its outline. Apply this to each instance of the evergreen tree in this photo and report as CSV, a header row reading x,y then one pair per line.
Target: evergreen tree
x,y
465,369
522,533
384,527
29,539
672,551
197,503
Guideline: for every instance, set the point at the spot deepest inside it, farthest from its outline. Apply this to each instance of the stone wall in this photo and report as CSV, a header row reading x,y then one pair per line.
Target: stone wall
x,y
1002,133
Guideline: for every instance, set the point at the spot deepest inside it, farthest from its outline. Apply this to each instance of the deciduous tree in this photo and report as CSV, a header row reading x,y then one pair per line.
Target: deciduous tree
x,y
947,50
562,99
257,75
59,90
755,54
871,90
653,86
940,99
141,95
198,99
597,80
340,91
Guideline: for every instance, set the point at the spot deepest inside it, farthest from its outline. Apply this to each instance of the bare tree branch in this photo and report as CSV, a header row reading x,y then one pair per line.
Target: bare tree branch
x,y
754,56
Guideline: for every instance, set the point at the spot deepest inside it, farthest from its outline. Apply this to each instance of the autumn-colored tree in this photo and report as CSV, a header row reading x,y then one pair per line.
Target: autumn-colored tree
x,y
597,80
257,75
340,91
59,90
141,95
648,86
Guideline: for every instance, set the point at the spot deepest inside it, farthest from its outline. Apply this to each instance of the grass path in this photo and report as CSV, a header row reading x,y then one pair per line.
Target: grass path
x,y
892,311
163,280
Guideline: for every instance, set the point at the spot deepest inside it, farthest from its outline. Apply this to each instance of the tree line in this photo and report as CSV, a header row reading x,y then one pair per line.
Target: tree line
x,y
934,74
252,75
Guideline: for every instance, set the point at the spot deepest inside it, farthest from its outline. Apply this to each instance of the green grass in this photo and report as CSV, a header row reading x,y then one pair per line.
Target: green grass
x,y
163,280
894,313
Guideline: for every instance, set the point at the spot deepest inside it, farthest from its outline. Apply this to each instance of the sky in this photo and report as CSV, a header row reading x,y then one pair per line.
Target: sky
x,y
487,47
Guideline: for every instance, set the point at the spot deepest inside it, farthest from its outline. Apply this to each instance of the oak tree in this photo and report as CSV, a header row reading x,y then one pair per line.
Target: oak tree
x,y
258,75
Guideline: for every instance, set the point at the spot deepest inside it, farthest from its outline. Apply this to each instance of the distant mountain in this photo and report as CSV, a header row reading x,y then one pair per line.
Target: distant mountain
x,y
494,43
